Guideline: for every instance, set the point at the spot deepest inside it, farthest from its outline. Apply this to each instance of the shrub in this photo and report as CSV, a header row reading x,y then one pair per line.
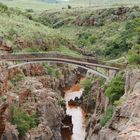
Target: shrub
x,y
32,49
125,41
92,39
86,84
133,25
17,78
57,73
23,121
29,10
115,89
85,38
61,102
107,116
3,8
117,48
134,55
69,6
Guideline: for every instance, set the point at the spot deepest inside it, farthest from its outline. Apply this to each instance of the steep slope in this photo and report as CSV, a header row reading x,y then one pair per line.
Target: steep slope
x,y
108,33
125,122
19,33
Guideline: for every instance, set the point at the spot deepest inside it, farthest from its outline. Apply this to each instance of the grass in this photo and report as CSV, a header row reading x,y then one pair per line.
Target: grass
x,y
21,26
32,4
39,5
68,52
103,35
107,116
17,27
93,39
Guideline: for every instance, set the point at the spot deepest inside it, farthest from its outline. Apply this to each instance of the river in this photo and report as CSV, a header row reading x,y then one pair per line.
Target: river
x,y
77,113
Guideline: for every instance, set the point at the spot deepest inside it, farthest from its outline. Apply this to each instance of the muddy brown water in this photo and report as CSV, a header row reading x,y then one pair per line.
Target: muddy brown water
x,y
77,113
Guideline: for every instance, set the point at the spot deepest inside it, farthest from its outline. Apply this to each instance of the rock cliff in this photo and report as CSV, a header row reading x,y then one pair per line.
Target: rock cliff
x,y
125,123
37,93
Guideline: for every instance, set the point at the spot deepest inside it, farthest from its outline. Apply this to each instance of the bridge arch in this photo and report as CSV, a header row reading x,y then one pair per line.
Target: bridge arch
x,y
81,66
87,63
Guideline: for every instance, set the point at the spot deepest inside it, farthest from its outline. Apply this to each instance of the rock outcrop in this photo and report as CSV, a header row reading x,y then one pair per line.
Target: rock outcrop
x,y
3,107
10,132
42,101
42,132
125,123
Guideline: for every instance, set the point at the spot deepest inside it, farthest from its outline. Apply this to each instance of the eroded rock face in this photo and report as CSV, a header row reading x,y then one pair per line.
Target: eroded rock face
x,y
10,132
42,132
125,123
3,107
36,95
40,100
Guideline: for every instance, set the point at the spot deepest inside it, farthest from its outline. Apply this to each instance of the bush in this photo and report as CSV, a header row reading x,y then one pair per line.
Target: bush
x,y
3,8
57,73
117,48
22,120
86,84
32,49
92,39
84,38
125,41
29,10
61,102
134,55
115,89
133,25
69,6
107,116
17,78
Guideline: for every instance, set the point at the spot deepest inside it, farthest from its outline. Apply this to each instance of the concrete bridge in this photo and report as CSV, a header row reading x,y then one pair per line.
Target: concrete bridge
x,y
89,63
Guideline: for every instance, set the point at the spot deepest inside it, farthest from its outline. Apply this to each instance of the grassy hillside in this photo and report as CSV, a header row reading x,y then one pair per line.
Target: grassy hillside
x,y
32,4
47,4
102,32
20,33
109,34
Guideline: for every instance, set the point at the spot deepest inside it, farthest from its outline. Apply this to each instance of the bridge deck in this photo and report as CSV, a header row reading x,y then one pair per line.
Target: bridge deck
x,y
85,61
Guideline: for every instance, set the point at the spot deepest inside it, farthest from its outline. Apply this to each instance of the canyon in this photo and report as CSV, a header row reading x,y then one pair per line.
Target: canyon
x,y
93,95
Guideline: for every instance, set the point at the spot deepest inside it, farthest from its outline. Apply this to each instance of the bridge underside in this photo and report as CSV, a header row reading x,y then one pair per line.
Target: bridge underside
x,y
89,69
89,64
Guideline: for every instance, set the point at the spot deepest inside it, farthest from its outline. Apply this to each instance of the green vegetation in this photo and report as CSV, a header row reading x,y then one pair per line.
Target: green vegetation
x,y
103,32
17,78
115,88
52,71
61,102
107,116
126,40
86,84
22,120
134,55
39,5
22,33
133,28
69,52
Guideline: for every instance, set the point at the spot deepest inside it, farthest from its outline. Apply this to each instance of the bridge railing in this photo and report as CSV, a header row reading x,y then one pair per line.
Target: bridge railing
x,y
27,56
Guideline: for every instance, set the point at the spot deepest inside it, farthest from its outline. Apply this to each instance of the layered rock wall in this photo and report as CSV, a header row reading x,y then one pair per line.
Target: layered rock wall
x,y
125,123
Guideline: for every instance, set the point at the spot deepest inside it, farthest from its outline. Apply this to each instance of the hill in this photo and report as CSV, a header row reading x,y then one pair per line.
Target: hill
x,y
59,4
106,33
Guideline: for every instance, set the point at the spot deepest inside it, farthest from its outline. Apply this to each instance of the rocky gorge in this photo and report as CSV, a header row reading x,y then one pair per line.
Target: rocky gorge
x,y
63,101
39,96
